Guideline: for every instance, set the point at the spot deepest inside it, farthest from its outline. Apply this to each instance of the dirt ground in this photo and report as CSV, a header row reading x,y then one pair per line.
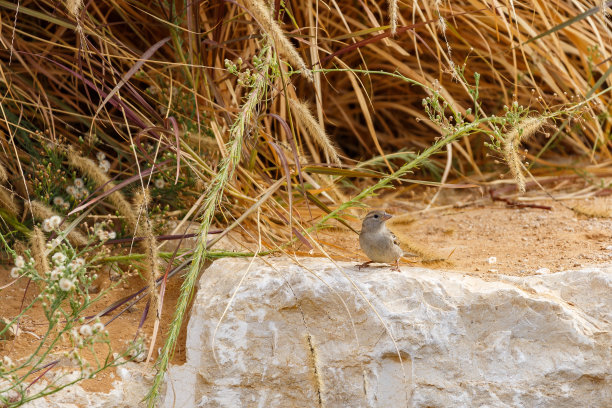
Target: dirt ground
x,y
472,233
464,230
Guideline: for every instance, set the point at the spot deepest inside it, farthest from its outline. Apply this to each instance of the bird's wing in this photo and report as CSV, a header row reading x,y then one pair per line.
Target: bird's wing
x,y
395,240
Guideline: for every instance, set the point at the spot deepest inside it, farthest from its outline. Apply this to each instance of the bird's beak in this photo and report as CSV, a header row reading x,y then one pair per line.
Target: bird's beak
x,y
386,216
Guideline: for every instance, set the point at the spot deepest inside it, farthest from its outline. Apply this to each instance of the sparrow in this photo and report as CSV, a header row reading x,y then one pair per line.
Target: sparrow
x,y
378,243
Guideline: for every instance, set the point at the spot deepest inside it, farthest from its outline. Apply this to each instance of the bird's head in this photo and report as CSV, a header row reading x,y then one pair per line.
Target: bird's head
x,y
374,220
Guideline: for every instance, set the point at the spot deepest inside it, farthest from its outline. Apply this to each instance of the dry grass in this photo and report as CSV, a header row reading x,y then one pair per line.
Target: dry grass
x,y
226,142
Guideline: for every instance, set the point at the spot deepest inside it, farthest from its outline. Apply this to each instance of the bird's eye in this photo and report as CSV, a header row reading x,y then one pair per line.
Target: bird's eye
x,y
376,216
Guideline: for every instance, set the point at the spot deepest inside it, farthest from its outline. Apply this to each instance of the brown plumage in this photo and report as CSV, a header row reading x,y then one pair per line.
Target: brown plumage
x,y
378,243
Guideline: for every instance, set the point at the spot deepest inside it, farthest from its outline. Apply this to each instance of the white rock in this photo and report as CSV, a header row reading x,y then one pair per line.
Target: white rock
x,y
492,260
316,335
127,393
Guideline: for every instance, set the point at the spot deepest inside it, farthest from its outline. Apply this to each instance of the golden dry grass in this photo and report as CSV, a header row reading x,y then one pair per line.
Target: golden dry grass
x,y
233,131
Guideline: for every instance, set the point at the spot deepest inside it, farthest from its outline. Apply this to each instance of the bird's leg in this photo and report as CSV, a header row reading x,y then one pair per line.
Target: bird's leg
x,y
396,267
363,265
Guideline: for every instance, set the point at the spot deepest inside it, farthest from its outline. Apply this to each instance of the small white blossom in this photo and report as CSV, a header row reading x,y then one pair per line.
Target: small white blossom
x,y
100,156
105,165
66,284
58,258
159,183
46,226
112,235
56,273
97,327
75,335
71,190
78,262
86,330
55,221
15,273
103,235
79,183
19,262
8,362
54,242
85,192
59,201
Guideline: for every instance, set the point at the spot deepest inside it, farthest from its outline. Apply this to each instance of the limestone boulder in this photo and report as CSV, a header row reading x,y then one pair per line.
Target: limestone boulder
x,y
276,333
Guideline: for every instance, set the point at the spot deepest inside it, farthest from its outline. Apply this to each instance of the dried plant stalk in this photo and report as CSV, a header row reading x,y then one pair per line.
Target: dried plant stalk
x,y
37,248
74,7
314,129
149,243
598,208
93,171
393,11
8,202
263,15
41,211
3,173
512,140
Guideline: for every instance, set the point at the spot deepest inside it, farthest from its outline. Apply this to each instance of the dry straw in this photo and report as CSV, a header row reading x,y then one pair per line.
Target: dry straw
x,y
393,12
7,202
149,243
598,208
512,140
3,174
74,6
314,129
263,15
37,248
410,246
95,173
41,211
316,370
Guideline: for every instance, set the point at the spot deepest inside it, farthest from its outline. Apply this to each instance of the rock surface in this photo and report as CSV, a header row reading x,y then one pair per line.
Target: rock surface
x,y
132,385
274,334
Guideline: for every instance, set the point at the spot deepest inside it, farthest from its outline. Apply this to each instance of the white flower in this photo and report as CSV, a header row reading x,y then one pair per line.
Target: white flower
x,y
105,165
55,221
66,284
15,273
54,242
8,362
46,226
56,273
103,235
59,201
100,156
86,330
75,334
19,262
97,327
78,262
85,192
71,190
79,183
112,235
78,194
58,258
159,183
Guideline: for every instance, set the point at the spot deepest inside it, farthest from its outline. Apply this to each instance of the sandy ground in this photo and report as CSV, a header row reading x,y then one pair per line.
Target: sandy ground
x,y
465,231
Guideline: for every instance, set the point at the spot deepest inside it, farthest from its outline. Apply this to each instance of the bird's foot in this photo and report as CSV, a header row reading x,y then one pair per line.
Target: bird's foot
x,y
396,267
363,265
